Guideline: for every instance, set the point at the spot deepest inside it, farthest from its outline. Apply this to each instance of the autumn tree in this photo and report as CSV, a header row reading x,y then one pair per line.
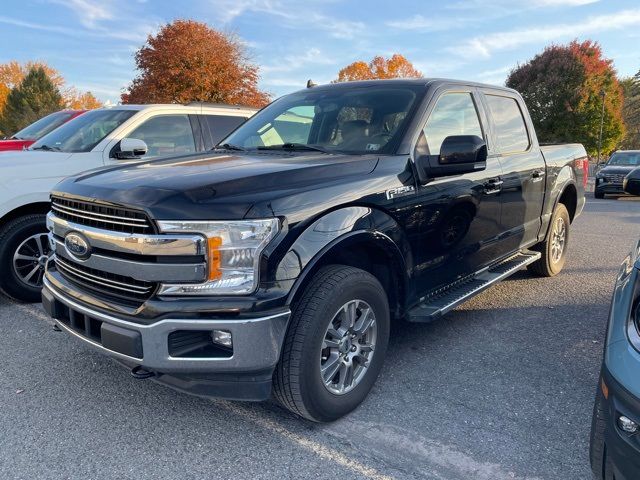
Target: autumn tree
x,y
188,61
35,97
563,87
396,66
80,100
631,111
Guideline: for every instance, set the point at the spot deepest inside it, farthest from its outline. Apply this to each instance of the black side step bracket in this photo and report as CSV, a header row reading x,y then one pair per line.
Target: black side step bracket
x,y
447,298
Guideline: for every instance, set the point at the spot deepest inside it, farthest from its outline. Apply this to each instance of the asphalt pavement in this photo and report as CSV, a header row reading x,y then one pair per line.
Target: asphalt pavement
x,y
501,388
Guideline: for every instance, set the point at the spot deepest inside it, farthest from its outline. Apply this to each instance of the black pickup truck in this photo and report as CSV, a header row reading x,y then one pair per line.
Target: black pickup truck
x,y
278,261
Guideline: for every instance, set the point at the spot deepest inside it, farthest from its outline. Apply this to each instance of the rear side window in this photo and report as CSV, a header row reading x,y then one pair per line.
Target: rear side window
x,y
511,131
220,126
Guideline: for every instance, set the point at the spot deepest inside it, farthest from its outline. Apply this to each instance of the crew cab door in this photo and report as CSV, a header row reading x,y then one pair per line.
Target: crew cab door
x,y
456,224
523,168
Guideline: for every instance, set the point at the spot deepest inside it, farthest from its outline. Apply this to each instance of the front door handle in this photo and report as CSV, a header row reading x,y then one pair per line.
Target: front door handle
x,y
537,175
492,186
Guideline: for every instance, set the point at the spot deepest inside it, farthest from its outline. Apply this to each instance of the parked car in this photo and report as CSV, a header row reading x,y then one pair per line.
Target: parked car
x,y
631,183
615,429
28,135
106,136
609,178
281,259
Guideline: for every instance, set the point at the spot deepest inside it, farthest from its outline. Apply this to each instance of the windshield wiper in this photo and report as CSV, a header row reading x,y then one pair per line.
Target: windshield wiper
x,y
229,146
295,146
46,148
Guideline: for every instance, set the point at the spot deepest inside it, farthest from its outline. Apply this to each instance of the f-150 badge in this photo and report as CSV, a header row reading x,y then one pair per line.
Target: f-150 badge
x,y
400,192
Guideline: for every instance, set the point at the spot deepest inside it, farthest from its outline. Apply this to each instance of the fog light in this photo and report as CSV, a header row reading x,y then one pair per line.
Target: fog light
x,y
222,337
627,425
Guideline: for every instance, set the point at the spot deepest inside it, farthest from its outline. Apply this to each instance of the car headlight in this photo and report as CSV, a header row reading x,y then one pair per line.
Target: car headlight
x,y
233,251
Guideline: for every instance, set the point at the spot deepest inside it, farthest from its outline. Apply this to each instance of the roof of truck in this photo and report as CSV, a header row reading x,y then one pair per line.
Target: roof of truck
x,y
426,82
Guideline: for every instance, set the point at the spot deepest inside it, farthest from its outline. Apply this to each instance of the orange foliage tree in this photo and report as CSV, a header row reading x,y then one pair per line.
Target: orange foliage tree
x,y
563,87
13,72
188,61
80,101
397,66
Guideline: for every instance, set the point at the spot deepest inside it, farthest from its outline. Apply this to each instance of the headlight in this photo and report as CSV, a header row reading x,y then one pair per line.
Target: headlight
x,y
233,253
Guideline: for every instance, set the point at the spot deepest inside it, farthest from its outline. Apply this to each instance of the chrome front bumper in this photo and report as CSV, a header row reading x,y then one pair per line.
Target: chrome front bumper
x,y
256,341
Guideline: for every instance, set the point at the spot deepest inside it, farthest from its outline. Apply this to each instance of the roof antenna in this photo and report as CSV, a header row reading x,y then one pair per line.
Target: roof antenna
x,y
311,84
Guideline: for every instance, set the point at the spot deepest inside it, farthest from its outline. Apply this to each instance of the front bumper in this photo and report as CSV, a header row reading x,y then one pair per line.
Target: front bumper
x,y
243,373
622,449
610,188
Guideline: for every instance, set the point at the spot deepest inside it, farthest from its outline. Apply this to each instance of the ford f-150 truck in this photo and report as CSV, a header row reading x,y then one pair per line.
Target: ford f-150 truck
x,y
279,261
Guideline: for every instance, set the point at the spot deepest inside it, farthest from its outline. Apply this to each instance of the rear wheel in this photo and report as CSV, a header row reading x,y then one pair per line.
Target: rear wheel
x,y
554,247
24,253
335,346
599,195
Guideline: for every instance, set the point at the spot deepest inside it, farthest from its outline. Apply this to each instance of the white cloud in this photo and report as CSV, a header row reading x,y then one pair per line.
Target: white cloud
x,y
416,22
88,12
484,46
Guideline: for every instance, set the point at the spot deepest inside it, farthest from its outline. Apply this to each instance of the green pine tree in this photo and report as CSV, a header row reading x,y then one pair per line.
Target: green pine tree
x,y
35,97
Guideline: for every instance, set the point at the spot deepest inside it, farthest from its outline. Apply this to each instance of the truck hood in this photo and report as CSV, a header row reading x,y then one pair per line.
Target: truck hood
x,y
14,144
213,186
615,170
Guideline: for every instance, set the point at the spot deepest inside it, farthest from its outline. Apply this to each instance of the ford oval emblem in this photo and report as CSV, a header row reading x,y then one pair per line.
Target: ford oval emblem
x,y
77,246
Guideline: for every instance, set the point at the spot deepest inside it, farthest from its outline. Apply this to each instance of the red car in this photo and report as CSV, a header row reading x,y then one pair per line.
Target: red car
x,y
38,129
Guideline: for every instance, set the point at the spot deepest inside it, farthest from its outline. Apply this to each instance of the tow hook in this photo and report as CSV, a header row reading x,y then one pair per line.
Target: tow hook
x,y
140,373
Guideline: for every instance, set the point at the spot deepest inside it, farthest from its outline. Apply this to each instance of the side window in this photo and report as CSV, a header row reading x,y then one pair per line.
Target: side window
x,y
454,114
220,126
166,135
511,131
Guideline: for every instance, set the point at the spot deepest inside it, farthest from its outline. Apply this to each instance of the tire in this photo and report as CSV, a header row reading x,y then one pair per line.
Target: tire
x,y
298,382
550,264
598,195
600,463
12,236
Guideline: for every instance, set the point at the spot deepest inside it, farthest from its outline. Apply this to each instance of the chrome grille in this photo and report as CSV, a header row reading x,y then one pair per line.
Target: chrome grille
x,y
104,283
614,178
118,219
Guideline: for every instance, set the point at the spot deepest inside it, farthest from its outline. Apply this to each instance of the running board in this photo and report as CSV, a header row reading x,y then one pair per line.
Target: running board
x,y
449,297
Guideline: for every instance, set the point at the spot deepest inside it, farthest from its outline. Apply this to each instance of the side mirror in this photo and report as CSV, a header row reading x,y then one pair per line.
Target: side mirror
x,y
459,154
631,183
131,148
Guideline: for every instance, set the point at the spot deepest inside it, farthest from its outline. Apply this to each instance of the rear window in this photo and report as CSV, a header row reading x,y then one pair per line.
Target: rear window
x,y
221,126
511,131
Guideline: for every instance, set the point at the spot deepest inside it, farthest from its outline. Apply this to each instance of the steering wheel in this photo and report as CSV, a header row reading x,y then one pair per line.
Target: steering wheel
x,y
384,136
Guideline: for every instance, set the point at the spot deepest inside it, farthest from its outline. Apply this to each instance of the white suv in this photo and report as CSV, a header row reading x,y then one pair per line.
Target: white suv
x,y
105,136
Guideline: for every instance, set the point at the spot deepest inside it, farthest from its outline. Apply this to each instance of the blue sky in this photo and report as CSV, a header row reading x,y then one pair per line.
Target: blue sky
x,y
92,43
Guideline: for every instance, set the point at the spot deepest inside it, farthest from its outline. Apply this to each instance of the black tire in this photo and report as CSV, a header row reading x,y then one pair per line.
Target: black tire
x,y
599,195
11,236
600,463
547,266
298,383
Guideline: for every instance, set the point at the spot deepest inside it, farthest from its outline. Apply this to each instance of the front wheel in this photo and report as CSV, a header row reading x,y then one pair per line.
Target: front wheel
x,y
598,195
24,253
335,345
554,247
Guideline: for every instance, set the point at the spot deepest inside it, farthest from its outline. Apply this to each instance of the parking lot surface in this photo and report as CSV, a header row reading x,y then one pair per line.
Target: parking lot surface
x,y
501,388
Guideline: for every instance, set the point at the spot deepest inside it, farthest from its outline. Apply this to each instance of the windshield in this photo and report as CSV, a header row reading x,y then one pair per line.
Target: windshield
x,y
84,132
347,120
625,159
43,126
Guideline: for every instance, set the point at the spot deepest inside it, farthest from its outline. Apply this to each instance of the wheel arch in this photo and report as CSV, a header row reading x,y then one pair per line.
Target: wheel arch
x,y
371,251
23,210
